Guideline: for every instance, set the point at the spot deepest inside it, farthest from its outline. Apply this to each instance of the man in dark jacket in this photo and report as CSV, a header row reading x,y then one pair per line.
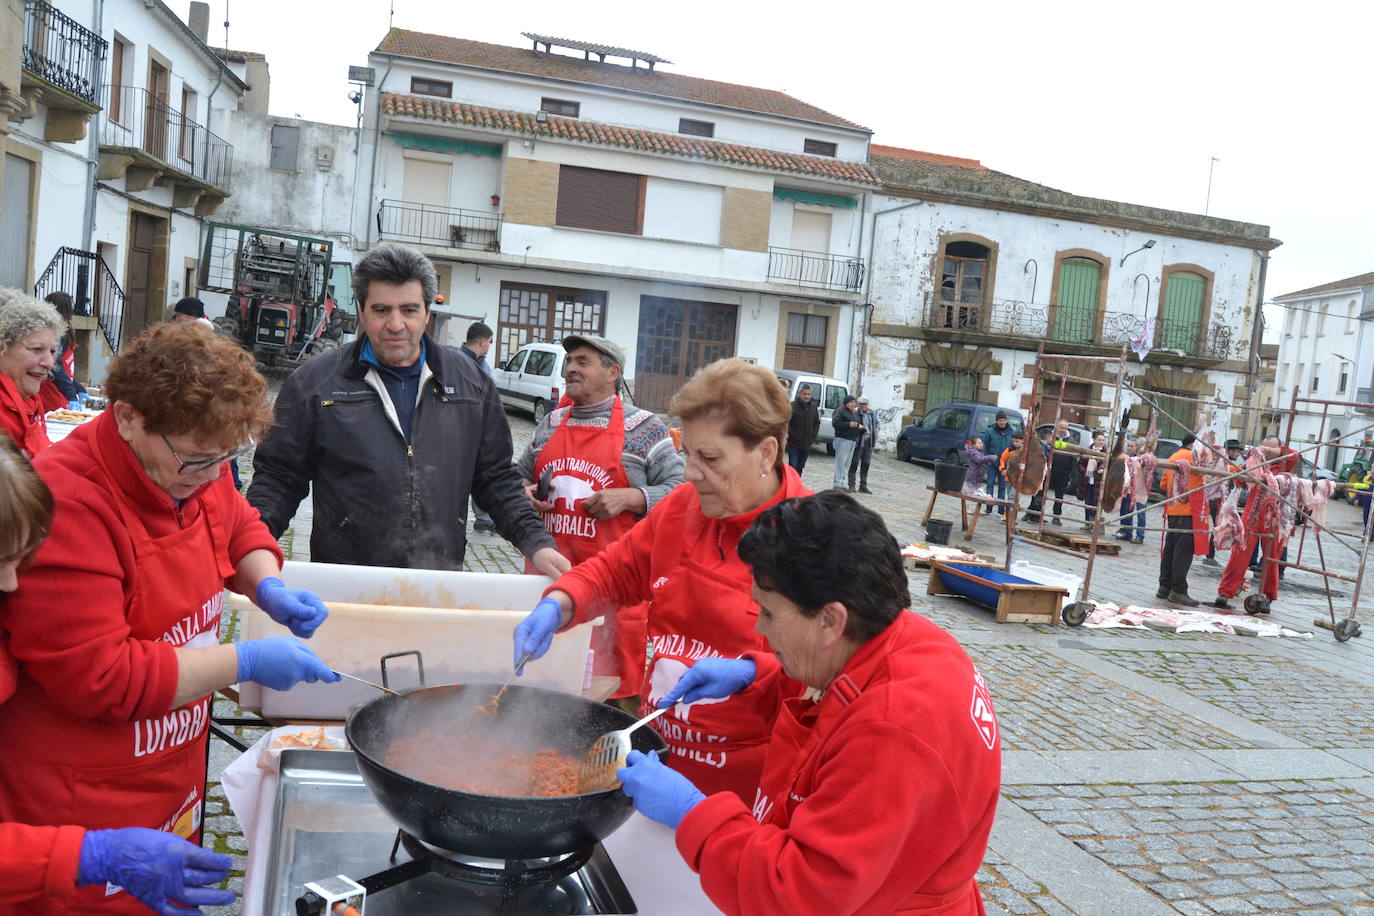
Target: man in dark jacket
x,y
1061,466
996,441
803,428
393,432
849,429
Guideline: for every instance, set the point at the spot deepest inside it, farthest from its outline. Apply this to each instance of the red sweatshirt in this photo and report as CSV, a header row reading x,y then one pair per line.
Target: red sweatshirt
x,y
876,799
66,621
34,861
22,418
686,566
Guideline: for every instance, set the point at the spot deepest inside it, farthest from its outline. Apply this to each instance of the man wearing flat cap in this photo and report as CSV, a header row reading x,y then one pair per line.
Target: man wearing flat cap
x,y
593,468
863,451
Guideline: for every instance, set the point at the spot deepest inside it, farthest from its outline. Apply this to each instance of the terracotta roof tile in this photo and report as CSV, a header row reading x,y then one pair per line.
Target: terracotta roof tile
x,y
444,48
1347,283
897,152
444,111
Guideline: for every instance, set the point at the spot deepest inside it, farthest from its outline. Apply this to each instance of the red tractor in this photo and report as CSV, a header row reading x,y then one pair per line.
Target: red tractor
x,y
282,291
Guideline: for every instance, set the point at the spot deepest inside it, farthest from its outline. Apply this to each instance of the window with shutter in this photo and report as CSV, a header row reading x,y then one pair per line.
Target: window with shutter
x,y
597,199
1075,311
1180,324
805,348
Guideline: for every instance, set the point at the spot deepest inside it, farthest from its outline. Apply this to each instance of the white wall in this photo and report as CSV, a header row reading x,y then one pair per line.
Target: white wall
x,y
475,294
608,106
903,253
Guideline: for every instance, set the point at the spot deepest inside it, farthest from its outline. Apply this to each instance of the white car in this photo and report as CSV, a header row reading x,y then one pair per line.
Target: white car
x,y
532,379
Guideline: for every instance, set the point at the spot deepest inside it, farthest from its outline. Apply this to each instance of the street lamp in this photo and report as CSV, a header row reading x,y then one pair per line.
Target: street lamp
x,y
1149,243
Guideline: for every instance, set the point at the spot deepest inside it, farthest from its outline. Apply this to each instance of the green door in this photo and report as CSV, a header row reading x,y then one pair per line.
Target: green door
x,y
1075,313
1180,325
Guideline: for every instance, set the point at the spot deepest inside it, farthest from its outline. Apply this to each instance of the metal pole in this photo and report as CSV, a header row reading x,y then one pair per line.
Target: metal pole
x,y
1208,205
1256,336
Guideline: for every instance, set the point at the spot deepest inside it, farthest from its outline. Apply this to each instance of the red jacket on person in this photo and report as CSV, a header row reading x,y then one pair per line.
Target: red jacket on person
x,y
22,418
877,798
34,861
687,567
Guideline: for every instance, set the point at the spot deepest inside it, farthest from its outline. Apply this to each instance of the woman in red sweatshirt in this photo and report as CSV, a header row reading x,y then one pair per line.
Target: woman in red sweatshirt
x,y
681,559
115,624
884,765
29,330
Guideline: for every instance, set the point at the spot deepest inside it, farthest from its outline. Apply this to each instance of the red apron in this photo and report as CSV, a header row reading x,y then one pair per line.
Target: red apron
x,y
68,359
148,773
581,461
718,744
29,413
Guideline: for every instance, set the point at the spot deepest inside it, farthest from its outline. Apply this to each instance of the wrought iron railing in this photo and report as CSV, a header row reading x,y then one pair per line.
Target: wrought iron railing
x,y
427,224
136,119
86,277
62,51
1015,318
815,268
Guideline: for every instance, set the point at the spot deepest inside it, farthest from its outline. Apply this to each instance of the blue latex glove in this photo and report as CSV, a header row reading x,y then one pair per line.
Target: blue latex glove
x,y
81,399
281,662
534,634
710,678
659,793
159,869
73,404
296,608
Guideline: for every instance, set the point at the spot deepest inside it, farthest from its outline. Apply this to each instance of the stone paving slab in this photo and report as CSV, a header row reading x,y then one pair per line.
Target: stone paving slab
x,y
1285,763
1124,767
1286,846
1044,702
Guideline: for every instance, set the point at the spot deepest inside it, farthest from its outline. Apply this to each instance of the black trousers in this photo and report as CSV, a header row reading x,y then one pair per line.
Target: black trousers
x,y
1177,556
863,457
1059,490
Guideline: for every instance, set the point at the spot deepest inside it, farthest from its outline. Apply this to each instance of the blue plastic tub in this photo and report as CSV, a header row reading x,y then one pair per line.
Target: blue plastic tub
x,y
986,595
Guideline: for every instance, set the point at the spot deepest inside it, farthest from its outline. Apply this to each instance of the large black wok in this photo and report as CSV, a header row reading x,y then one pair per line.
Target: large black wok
x,y
493,826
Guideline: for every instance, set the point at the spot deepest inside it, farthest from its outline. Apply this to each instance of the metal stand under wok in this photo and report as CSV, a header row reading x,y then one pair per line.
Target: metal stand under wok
x,y
514,879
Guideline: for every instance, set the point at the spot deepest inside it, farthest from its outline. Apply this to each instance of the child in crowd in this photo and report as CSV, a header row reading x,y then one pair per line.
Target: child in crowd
x,y
976,474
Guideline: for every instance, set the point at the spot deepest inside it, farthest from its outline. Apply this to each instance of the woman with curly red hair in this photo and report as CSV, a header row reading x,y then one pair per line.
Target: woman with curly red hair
x,y
115,626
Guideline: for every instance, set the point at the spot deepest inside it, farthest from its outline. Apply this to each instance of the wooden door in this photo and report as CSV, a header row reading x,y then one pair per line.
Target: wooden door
x,y
156,122
1075,310
1076,394
1180,326
140,282
676,338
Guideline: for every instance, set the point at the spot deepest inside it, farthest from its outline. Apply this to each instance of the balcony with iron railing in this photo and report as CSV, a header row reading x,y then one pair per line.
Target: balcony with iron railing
x,y
446,227
148,142
816,269
61,66
1000,318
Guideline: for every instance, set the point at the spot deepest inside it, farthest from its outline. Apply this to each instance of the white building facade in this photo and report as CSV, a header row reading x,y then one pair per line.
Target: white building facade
x,y
974,270
111,161
686,219
1322,357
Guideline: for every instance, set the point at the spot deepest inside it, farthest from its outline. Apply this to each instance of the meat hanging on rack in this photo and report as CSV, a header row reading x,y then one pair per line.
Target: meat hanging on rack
x,y
1313,496
1229,531
1027,480
1113,484
1142,475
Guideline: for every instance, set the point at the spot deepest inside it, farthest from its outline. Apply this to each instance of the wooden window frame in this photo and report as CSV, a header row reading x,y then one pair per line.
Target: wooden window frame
x,y
424,85
186,144
1205,320
1104,279
794,351
567,216
508,341
820,148
989,275
694,128
564,108
120,61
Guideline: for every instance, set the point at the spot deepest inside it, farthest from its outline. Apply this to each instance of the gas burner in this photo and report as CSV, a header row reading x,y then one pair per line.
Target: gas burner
x,y
509,874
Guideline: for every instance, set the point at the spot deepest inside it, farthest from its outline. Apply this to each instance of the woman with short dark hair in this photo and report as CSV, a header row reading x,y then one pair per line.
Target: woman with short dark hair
x,y
681,559
884,764
116,628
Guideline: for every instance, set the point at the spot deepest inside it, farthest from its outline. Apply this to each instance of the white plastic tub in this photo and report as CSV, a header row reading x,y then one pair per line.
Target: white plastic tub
x,y
461,622
1042,575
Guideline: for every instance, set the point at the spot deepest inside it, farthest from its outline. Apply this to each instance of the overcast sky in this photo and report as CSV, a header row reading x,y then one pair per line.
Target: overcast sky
x,y
1127,101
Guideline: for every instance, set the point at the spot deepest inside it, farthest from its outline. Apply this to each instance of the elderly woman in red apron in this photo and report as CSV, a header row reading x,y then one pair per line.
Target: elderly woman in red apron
x,y
884,765
29,331
681,559
115,624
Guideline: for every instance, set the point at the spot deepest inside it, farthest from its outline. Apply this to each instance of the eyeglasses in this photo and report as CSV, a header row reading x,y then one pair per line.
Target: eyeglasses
x,y
195,467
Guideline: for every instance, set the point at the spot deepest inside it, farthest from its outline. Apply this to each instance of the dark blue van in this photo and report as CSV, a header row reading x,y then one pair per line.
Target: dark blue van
x,y
943,431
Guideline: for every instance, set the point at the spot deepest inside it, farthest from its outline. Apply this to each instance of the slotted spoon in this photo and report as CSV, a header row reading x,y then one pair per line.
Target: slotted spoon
x,y
608,755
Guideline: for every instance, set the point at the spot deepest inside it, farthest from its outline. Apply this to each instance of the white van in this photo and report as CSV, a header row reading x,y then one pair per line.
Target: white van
x,y
828,393
532,379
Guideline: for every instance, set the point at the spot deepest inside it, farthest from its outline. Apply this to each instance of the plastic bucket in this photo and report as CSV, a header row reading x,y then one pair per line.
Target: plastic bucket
x,y
937,531
949,476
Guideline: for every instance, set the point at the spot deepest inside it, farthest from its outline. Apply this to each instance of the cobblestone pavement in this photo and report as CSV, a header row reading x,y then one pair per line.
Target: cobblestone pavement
x,y
1143,772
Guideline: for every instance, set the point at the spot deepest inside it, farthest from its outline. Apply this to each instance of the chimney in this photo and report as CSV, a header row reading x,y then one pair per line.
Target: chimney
x,y
199,20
